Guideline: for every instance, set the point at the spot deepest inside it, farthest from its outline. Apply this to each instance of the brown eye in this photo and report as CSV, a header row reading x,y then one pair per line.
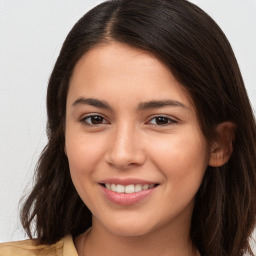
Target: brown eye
x,y
161,121
94,120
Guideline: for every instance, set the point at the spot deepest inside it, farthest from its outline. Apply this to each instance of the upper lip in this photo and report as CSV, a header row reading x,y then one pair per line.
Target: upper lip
x,y
127,181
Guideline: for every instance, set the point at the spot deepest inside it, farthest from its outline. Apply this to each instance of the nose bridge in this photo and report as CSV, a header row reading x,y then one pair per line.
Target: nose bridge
x,y
125,148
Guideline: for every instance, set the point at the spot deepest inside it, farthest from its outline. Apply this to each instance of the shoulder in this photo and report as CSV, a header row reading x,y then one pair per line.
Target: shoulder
x,y
63,247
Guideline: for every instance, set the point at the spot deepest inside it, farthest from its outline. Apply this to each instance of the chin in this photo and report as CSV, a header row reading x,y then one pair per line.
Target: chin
x,y
125,228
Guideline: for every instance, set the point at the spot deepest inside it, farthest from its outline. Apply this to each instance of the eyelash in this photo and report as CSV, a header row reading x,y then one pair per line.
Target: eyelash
x,y
85,120
169,121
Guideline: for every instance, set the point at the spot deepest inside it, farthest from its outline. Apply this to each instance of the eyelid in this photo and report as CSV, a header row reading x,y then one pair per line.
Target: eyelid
x,y
84,117
171,120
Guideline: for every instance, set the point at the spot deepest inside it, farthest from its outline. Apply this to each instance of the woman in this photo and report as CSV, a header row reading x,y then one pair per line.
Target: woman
x,y
151,145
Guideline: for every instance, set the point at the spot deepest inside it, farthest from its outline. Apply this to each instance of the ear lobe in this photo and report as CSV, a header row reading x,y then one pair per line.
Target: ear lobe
x,y
222,149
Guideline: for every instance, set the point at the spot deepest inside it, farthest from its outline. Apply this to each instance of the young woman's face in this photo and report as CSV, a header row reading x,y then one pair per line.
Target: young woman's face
x,y
136,153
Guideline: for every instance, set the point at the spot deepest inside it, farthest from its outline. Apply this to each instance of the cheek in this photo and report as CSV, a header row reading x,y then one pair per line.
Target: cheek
x,y
82,150
181,158
182,161
84,154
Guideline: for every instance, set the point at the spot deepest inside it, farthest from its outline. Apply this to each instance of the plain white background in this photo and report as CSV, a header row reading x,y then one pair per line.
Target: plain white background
x,y
31,35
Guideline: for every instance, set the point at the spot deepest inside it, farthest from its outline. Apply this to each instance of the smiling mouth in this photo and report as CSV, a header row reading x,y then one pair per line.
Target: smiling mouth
x,y
128,189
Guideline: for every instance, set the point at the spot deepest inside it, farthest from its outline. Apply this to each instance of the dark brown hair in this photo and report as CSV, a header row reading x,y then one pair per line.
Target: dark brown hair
x,y
197,52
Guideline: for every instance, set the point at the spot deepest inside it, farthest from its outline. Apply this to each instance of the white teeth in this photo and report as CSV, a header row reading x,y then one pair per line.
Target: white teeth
x,y
113,187
146,186
138,188
120,188
131,188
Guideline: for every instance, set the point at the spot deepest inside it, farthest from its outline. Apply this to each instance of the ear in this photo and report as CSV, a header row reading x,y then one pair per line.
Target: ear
x,y
222,148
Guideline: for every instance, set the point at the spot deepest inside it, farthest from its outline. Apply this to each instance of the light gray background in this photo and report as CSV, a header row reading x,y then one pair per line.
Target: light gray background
x,y
31,35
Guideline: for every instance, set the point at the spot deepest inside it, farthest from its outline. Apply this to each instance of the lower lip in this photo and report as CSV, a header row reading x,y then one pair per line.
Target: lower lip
x,y
127,198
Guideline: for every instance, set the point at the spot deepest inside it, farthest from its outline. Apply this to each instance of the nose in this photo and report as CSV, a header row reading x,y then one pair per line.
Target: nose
x,y
125,149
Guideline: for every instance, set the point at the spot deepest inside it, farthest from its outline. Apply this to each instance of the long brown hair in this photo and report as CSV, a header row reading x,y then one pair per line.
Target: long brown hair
x,y
197,52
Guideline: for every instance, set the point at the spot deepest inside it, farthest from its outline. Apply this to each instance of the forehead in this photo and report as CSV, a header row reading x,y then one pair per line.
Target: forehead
x,y
111,58
127,72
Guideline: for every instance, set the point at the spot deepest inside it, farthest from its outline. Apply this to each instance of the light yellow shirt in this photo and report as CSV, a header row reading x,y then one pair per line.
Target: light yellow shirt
x,y
64,247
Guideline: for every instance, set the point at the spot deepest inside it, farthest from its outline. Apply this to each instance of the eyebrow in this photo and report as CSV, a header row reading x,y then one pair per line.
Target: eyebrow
x,y
92,102
154,104
161,103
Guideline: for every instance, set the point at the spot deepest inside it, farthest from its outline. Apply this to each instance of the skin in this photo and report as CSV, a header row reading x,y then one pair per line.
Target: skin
x,y
130,142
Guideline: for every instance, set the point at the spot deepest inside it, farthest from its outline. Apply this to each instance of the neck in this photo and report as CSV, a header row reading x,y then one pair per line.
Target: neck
x,y
99,241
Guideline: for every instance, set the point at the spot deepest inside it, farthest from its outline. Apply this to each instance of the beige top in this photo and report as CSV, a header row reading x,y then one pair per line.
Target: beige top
x,y
64,247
